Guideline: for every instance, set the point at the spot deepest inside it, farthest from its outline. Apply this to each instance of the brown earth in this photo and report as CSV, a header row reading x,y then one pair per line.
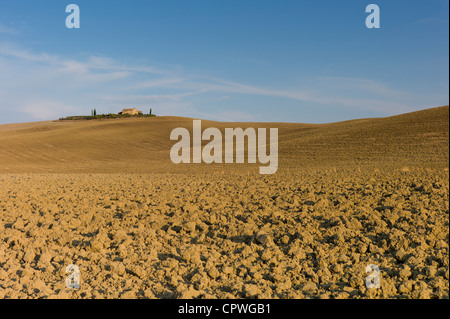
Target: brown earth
x,y
105,196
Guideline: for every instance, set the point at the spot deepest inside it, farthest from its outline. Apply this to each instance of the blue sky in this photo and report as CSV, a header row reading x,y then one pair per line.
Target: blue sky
x,y
248,60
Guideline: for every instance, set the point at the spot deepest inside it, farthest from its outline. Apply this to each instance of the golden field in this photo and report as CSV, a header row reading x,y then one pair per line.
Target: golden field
x,y
104,195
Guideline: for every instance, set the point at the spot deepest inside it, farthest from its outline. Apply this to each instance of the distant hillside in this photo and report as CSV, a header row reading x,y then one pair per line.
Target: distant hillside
x,y
142,145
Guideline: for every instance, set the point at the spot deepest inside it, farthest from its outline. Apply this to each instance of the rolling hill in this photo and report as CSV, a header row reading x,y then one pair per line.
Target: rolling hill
x,y
417,139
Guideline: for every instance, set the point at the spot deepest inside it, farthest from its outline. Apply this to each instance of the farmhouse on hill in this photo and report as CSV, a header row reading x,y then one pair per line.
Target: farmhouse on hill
x,y
132,111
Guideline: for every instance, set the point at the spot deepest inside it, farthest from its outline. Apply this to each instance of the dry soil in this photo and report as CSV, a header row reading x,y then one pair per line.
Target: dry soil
x,y
104,195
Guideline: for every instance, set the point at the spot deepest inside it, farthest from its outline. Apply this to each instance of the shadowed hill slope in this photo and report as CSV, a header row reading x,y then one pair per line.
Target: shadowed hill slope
x,y
414,140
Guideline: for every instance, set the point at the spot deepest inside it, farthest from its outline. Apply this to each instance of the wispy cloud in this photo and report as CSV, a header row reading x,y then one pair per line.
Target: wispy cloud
x,y
46,109
337,91
89,64
8,30
163,82
46,86
10,50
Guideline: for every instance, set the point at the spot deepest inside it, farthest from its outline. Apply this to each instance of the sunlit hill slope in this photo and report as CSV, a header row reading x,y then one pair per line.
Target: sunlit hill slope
x,y
413,140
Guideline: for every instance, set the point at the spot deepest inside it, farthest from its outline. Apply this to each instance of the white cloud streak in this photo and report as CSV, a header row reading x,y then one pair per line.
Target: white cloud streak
x,y
8,30
46,86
